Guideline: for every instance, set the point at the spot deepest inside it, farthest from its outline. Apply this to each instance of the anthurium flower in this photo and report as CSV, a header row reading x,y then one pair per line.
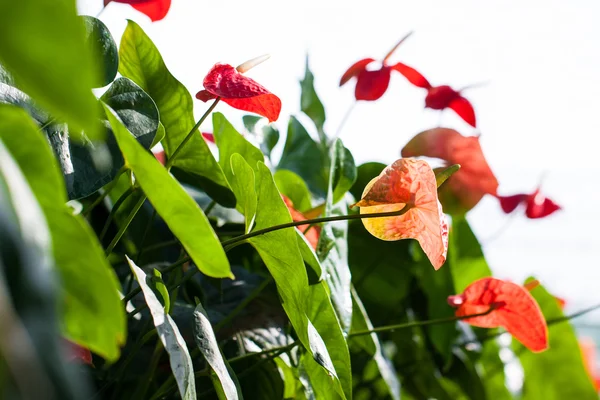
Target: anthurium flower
x,y
312,234
471,182
77,353
372,84
155,9
513,308
440,97
536,204
239,91
408,185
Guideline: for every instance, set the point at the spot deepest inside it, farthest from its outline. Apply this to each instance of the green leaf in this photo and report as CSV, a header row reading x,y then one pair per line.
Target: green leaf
x,y
141,62
310,103
160,135
442,174
42,46
168,333
310,258
333,241
159,286
304,157
267,135
466,261
207,343
464,373
179,211
294,188
370,343
93,315
491,368
28,291
242,183
343,173
559,372
101,42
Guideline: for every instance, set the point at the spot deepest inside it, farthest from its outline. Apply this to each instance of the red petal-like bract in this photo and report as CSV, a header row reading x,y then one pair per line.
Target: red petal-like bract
x,y
440,97
355,69
209,137
516,311
155,9
412,75
77,353
312,235
407,183
510,203
463,108
475,177
371,85
240,92
537,205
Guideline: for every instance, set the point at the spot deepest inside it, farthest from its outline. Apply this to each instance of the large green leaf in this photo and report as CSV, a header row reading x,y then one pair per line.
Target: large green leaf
x,y
170,337
179,211
42,45
28,292
99,39
141,62
304,157
93,314
310,103
370,343
207,343
559,372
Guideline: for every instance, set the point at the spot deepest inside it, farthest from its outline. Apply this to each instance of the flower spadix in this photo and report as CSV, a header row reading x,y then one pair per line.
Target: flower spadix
x,y
407,186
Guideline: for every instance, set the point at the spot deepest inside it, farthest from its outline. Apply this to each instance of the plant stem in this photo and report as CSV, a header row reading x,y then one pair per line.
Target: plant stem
x,y
125,225
105,193
313,221
114,210
171,159
413,324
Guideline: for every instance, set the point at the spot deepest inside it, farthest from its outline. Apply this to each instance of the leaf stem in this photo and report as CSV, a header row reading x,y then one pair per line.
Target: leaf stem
x,y
313,221
171,159
126,224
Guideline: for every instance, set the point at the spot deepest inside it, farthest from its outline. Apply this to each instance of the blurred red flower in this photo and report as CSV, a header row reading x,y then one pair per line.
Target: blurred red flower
x,y
536,204
155,9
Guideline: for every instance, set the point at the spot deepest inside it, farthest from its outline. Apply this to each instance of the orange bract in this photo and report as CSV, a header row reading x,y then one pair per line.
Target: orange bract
x,y
409,185
515,310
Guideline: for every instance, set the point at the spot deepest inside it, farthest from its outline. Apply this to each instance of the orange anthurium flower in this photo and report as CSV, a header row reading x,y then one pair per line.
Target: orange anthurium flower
x,y
372,84
407,184
77,353
475,177
155,9
514,309
239,91
312,235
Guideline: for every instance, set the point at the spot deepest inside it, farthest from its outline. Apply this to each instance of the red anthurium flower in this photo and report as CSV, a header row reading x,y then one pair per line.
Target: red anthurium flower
x,y
536,204
239,91
513,309
312,235
407,184
77,353
372,84
468,185
440,97
155,9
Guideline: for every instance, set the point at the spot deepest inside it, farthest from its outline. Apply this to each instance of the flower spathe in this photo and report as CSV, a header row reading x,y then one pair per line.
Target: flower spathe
x,y
155,9
239,92
410,185
536,204
513,308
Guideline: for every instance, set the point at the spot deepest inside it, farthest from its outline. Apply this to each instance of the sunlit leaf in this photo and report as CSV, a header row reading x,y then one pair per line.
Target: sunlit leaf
x,y
179,211
409,185
93,315
239,91
513,309
42,45
141,62
170,337
294,188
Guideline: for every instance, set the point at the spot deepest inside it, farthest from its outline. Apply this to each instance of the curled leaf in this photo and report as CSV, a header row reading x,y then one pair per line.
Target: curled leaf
x,y
155,9
514,309
239,92
409,185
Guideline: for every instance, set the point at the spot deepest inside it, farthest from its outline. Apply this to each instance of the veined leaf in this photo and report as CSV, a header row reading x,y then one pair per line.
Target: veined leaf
x,y
141,62
179,211
207,343
42,45
168,333
93,315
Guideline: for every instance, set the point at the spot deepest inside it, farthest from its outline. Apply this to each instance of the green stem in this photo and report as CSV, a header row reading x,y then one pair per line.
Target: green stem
x,y
413,324
125,225
114,210
171,159
107,189
313,221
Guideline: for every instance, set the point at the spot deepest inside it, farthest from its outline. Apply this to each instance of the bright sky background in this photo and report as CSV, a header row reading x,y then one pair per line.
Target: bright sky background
x,y
538,113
